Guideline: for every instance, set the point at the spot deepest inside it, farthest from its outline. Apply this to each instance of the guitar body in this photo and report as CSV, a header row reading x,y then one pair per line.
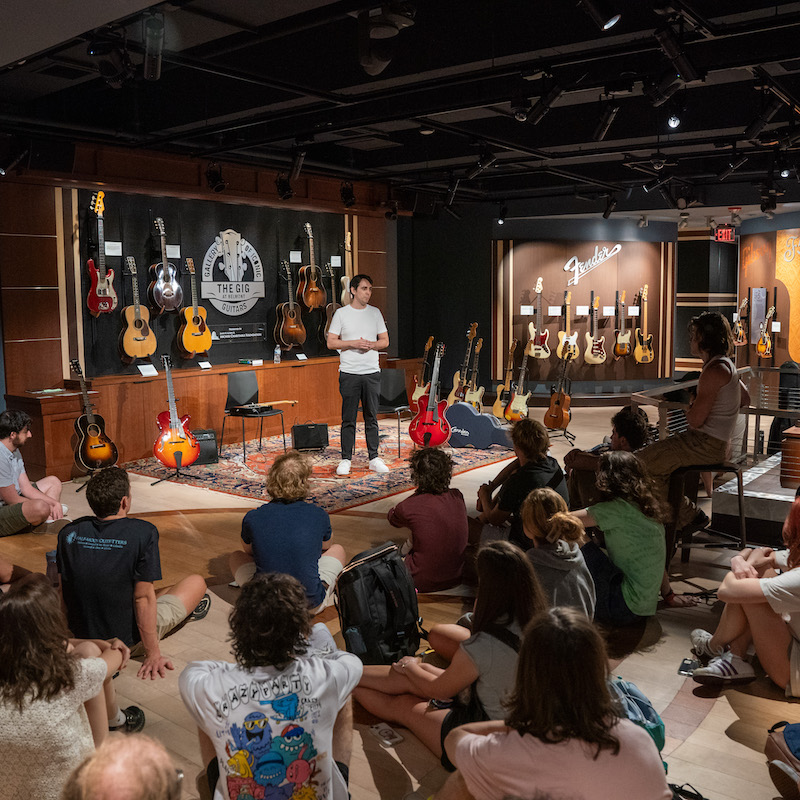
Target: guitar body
x,y
622,344
289,328
643,351
557,415
517,407
330,310
418,393
567,345
194,335
539,348
102,299
345,296
499,405
137,339
475,398
469,428
165,291
94,449
175,448
764,345
458,391
741,335
309,291
595,352
430,428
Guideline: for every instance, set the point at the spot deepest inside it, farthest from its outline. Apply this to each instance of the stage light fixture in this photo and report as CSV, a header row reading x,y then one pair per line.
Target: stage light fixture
x,y
538,112
735,218
611,205
391,214
732,167
153,47
298,157
668,198
6,170
451,191
684,221
501,217
109,50
284,187
673,49
769,214
656,183
487,158
674,121
762,120
601,14
347,194
643,222
606,121
711,223
214,177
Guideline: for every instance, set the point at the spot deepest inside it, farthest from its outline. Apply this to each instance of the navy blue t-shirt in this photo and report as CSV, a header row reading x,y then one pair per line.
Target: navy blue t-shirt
x,y
288,537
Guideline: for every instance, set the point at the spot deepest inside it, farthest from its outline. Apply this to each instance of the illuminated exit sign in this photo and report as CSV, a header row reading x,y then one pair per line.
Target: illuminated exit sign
x,y
725,233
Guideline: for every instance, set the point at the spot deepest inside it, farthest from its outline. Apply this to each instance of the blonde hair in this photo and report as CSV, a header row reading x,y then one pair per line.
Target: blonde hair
x,y
288,477
546,516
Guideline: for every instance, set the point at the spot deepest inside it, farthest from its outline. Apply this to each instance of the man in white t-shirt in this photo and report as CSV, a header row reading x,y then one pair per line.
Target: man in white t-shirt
x,y
358,332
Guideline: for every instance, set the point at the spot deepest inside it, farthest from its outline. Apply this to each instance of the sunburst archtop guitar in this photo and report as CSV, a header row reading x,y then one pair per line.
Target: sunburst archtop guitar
x,y
739,328
289,328
310,291
101,299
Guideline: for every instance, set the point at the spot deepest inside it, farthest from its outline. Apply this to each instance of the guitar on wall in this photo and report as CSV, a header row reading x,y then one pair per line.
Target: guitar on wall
x,y
595,352
643,350
194,335
94,449
102,299
430,427
557,415
165,290
764,343
474,393
622,338
504,389
460,378
739,330
517,406
137,340
420,387
310,291
348,269
289,328
333,306
567,342
539,335
175,446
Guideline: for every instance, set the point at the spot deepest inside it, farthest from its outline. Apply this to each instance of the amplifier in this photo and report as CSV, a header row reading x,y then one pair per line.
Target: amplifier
x,y
207,439
311,436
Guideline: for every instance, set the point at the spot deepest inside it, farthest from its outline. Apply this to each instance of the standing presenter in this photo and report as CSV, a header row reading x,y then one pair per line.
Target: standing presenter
x,y
358,332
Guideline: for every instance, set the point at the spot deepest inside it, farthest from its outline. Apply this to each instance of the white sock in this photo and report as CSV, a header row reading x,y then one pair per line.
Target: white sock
x,y
118,720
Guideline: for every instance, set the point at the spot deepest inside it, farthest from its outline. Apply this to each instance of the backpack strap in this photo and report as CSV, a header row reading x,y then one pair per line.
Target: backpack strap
x,y
504,635
558,476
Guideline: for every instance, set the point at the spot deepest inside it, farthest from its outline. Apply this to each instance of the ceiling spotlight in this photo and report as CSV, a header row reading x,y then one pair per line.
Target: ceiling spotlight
x,y
763,119
656,183
668,198
769,202
299,156
426,131
643,222
711,223
6,170
610,206
732,167
537,113
451,191
501,217
284,187
769,214
486,160
674,121
153,47
214,177
109,50
735,218
598,10
391,214
347,194
377,29
606,121
659,92
520,108
684,221
673,49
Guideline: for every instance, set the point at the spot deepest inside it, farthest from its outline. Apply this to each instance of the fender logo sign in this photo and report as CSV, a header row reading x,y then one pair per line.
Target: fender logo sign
x,y
581,268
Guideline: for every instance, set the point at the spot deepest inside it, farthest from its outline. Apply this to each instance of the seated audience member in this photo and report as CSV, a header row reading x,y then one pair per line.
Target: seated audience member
x,y
9,573
53,692
108,563
23,503
291,734
125,768
628,578
629,432
437,517
556,554
290,535
762,607
483,660
532,469
563,735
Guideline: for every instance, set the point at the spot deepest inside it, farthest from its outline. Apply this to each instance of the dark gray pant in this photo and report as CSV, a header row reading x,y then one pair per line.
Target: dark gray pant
x,y
365,389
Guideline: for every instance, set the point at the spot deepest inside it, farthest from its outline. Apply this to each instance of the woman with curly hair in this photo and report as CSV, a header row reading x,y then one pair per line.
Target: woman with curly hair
x,y
563,735
437,517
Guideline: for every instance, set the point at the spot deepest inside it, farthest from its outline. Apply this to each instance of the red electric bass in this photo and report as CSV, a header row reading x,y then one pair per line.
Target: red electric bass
x,y
102,299
430,427
176,446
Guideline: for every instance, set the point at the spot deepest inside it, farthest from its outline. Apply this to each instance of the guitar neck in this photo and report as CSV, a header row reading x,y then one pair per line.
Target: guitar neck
x,y
135,286
433,394
523,370
194,293
174,420
87,406
291,288
164,249
311,255
101,248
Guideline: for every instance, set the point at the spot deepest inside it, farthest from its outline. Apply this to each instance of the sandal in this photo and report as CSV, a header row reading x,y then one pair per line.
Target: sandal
x,y
672,600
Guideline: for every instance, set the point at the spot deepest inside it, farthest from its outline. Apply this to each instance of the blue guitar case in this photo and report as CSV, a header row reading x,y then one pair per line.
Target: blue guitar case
x,y
468,428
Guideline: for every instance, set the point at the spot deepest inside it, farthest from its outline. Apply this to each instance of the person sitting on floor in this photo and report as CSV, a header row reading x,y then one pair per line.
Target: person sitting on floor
x,y
290,535
437,517
556,555
762,606
108,564
563,735
483,658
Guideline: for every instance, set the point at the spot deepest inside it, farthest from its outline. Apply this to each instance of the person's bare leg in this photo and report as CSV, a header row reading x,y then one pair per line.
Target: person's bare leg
x,y
336,551
95,706
343,734
388,681
189,591
455,788
732,630
446,638
51,486
35,511
771,639
238,559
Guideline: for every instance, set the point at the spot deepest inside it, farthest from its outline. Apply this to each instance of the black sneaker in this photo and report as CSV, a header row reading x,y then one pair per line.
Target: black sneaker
x,y
201,609
134,720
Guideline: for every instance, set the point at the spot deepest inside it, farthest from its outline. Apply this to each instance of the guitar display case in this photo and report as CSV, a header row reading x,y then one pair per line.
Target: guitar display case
x,y
468,428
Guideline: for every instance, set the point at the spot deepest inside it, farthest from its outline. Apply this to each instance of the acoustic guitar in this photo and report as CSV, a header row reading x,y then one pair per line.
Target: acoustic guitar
x,y
430,427
165,290
137,339
94,450
643,350
461,377
175,446
504,390
764,343
517,406
310,291
102,299
739,329
474,393
539,335
420,387
289,328
557,415
595,352
333,306
567,342
194,335
348,269
622,338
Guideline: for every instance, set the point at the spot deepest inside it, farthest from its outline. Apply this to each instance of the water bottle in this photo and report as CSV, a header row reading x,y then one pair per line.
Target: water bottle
x,y
52,568
276,355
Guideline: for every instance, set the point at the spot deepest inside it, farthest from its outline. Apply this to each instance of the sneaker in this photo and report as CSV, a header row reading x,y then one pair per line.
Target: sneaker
x,y
701,644
377,465
725,670
64,511
134,720
201,609
699,522
344,467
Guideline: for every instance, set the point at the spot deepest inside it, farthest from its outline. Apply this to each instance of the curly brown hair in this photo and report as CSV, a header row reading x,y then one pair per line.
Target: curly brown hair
x,y
34,663
531,437
545,515
289,477
270,622
431,470
713,333
621,475
106,490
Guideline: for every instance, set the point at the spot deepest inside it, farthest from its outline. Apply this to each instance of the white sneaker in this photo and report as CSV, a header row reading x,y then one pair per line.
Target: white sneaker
x,y
64,511
725,670
701,644
377,465
344,467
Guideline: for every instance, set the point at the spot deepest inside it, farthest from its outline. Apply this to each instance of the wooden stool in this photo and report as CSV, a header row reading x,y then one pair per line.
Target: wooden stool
x,y
790,458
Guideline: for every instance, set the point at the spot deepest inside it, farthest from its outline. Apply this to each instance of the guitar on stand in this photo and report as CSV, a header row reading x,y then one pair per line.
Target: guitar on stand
x,y
175,446
102,299
557,416
764,343
137,339
622,338
165,290
474,393
460,378
595,352
567,342
739,329
348,269
94,449
504,389
289,328
430,427
643,351
420,387
310,291
539,335
333,306
517,406
194,335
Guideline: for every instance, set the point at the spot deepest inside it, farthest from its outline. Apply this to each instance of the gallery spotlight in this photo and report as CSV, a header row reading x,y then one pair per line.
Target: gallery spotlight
x,y
537,113
297,163
674,121
601,15
606,121
153,47
684,221
347,194
109,49
284,187
763,119
673,50
14,163
643,222
214,177
610,206
486,160
732,167
501,217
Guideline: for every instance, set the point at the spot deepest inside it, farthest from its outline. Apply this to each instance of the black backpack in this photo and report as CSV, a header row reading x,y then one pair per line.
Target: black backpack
x,y
377,606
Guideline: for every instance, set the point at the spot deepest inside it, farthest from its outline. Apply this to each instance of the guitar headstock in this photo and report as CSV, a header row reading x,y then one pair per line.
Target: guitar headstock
x,y
440,348
329,271
307,228
190,265
514,343
478,346
473,331
76,367
538,288
287,270
622,299
743,307
348,242
428,344
769,314
131,262
166,361
159,223
98,206
596,303
567,298
644,294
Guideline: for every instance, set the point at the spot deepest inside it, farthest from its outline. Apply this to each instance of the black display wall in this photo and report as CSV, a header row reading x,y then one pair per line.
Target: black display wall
x,y
194,225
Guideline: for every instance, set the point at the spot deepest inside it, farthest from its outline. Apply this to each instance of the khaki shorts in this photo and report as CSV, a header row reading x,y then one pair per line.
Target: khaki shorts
x,y
170,612
12,520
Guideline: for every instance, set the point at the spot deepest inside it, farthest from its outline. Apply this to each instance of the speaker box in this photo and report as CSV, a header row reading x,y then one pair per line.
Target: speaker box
x,y
207,439
311,436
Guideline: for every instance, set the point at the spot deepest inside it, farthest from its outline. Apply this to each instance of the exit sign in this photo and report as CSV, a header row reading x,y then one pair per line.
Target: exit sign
x,y
725,233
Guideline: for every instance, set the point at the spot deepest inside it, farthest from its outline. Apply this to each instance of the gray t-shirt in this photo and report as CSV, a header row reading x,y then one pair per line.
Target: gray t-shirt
x,y
11,467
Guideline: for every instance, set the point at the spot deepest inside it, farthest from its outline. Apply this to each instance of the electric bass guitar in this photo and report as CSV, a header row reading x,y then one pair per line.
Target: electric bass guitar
x,y
643,350
474,393
310,291
348,269
536,329
194,335
503,391
289,328
165,290
764,343
517,406
420,387
333,306
622,338
557,415
175,446
137,339
595,352
430,427
94,449
739,330
102,299
567,342
460,378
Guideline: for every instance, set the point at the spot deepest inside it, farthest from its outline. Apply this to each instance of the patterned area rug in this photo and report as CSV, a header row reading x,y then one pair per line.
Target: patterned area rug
x,y
232,476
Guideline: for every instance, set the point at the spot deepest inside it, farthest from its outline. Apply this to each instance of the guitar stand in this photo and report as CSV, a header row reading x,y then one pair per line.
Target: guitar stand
x,y
88,478
176,475
554,434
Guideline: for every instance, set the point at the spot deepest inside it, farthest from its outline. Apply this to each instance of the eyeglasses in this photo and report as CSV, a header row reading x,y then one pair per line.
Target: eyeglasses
x,y
175,789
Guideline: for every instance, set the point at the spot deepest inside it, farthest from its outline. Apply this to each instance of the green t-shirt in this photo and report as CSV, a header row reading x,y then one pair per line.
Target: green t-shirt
x,y
636,546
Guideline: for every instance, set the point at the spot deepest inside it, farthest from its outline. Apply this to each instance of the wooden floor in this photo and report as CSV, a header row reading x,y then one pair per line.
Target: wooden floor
x,y
714,740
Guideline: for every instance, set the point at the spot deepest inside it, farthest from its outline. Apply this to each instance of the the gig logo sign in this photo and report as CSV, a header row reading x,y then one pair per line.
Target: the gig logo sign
x,y
233,276
581,268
